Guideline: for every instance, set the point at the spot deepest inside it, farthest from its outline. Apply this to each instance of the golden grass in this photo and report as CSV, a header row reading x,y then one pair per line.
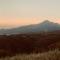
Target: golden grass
x,y
51,55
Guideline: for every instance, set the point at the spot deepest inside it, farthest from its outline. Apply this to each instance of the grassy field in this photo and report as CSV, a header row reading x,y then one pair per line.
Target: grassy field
x,y
30,46
50,55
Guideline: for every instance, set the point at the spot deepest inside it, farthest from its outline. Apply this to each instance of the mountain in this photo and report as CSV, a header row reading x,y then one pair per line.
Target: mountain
x,y
41,27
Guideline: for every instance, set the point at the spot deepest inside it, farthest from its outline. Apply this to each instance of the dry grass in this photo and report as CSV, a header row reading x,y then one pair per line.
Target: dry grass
x,y
51,55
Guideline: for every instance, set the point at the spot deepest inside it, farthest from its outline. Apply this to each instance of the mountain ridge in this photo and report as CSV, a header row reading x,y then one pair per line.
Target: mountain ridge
x,y
45,26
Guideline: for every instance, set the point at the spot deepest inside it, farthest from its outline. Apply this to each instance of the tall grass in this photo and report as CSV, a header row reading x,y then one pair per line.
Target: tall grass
x,y
51,55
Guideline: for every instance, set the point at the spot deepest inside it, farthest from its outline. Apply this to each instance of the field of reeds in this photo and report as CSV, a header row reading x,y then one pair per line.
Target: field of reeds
x,y
50,55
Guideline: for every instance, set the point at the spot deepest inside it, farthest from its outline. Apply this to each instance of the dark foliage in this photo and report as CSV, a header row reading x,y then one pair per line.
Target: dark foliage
x,y
28,43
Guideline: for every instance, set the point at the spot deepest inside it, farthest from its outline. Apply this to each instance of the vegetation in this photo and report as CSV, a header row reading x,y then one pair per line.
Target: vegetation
x,y
11,45
50,55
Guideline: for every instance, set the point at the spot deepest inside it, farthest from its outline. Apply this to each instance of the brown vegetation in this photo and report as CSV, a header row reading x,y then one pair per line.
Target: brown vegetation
x,y
50,55
29,43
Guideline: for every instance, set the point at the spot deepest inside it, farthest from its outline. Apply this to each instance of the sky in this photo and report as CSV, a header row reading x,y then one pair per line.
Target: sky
x,y
15,13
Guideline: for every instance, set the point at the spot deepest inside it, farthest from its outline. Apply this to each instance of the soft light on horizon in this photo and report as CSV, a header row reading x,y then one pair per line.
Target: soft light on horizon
x,y
23,22
14,13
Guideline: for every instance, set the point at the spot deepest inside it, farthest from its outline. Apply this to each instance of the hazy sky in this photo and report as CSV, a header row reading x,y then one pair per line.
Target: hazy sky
x,y
24,12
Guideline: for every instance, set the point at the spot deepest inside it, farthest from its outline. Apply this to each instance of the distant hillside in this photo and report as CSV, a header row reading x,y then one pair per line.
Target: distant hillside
x,y
29,43
42,27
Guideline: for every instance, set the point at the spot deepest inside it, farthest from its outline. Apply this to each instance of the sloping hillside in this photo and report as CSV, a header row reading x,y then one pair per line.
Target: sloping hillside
x,y
35,28
29,43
